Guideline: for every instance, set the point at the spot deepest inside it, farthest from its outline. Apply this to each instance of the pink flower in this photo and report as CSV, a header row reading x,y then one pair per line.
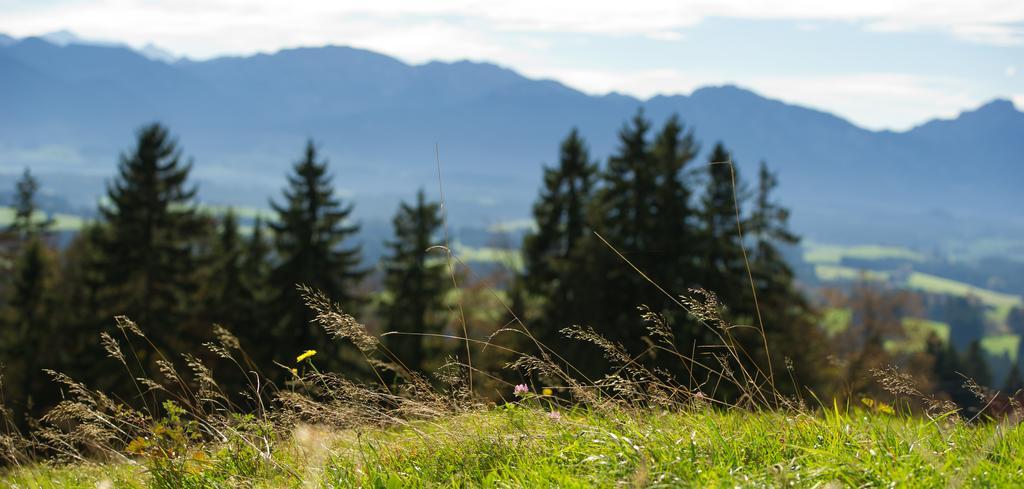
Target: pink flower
x,y
520,389
555,415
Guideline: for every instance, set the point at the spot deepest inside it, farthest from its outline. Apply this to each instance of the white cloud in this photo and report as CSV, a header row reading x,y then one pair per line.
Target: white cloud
x,y
873,100
202,28
1010,70
639,83
1018,101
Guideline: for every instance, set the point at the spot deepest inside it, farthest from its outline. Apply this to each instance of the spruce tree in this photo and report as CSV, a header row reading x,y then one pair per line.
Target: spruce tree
x,y
783,312
966,320
672,238
623,213
1014,381
25,225
552,261
27,342
255,275
416,284
84,297
225,294
152,229
721,253
1015,321
310,232
974,365
945,365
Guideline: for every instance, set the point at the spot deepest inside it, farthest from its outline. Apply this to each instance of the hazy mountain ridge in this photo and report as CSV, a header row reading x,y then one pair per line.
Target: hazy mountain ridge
x,y
244,119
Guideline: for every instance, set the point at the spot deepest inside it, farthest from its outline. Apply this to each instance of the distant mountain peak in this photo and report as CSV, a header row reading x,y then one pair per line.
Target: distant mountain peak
x,y
157,53
63,37
998,105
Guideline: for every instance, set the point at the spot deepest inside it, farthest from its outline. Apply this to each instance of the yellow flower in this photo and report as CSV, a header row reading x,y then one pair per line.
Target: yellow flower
x,y
546,391
306,354
295,372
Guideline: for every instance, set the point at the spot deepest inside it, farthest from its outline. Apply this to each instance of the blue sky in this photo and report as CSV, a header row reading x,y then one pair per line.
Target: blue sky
x,y
881,64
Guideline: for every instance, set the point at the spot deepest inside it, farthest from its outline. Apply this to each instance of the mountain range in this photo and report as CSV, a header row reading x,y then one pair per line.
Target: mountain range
x,y
68,108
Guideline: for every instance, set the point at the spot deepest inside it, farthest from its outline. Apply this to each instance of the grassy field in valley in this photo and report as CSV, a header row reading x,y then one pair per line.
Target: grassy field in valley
x,y
525,445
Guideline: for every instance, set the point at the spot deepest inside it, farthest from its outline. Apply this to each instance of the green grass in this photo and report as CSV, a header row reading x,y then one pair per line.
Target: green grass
x,y
61,222
999,345
917,331
511,258
835,320
829,273
523,447
999,303
828,254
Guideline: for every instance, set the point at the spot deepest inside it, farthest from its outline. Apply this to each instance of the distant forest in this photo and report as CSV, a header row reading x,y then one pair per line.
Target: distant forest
x,y
644,248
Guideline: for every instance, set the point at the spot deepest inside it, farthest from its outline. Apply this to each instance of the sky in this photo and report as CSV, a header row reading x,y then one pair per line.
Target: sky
x,y
883,64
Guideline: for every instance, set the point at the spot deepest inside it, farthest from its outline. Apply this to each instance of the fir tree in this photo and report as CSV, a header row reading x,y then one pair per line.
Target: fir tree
x,y
720,246
25,225
623,213
783,312
309,241
416,285
966,320
552,262
226,296
152,229
84,297
28,339
672,236
1014,381
1015,320
974,365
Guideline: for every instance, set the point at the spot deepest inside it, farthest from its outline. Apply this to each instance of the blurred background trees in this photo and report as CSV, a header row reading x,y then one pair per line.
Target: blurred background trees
x,y
176,268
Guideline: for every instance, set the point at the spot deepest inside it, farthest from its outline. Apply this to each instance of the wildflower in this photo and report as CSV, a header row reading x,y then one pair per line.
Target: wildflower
x,y
520,390
547,391
306,354
555,416
295,372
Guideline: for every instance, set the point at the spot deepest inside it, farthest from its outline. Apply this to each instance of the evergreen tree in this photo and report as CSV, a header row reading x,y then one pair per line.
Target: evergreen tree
x,y
966,320
1014,381
721,248
228,295
672,237
309,234
255,275
28,340
974,365
24,224
945,366
623,212
1015,320
83,294
783,311
416,285
552,262
152,228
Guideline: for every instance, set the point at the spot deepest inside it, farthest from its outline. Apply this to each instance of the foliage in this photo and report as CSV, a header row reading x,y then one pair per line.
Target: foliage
x,y
311,228
416,284
150,231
